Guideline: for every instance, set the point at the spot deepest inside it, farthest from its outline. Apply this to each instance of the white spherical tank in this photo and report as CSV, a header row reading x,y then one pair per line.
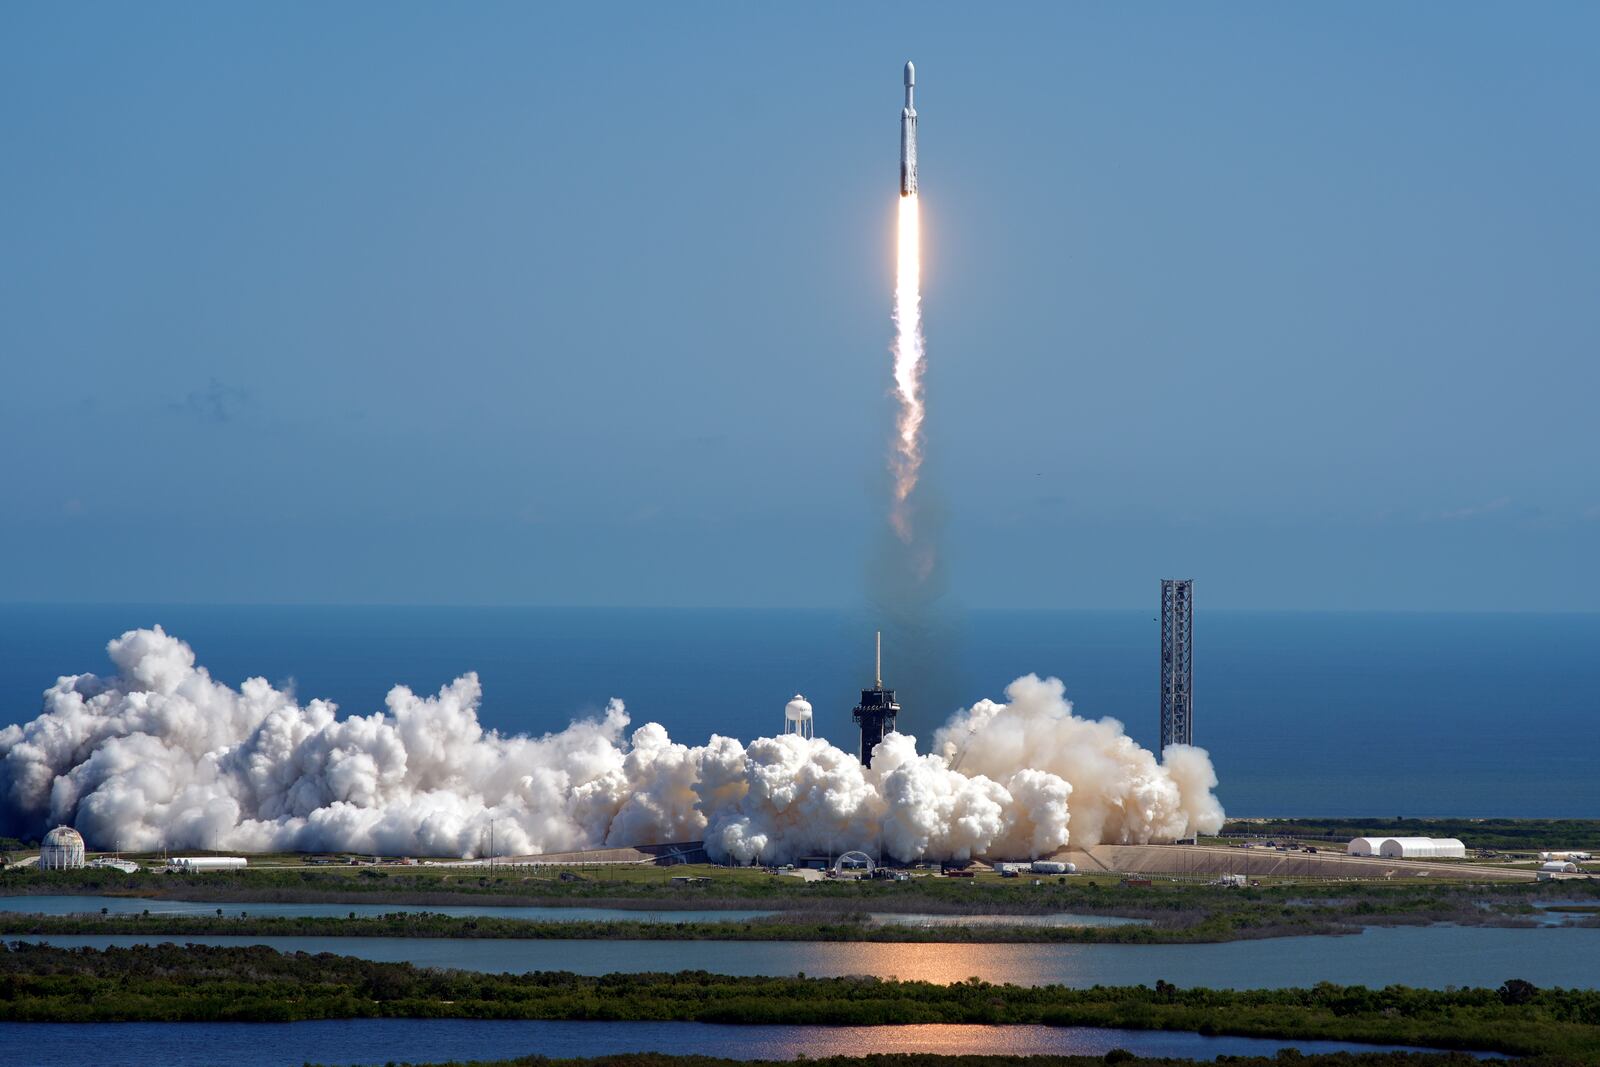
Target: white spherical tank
x,y
61,850
797,716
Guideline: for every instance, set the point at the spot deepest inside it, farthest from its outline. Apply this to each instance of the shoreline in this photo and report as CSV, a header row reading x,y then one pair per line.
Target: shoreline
x,y
820,911
213,984
794,927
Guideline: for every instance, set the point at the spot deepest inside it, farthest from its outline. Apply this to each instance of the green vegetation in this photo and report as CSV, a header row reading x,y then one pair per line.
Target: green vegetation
x,y
194,983
1500,834
433,885
1235,918
780,928
817,911
653,888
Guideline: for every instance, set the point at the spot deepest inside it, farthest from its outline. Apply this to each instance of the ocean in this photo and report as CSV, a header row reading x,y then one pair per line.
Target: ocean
x,y
1310,714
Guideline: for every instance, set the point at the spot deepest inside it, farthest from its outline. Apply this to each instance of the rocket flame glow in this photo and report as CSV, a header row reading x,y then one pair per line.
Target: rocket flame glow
x,y
906,461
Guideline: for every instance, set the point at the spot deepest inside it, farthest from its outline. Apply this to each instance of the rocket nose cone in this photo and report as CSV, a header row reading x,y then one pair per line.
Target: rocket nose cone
x,y
911,74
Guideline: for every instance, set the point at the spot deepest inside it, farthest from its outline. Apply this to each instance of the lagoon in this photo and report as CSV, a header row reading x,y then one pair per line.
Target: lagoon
x,y
366,1041
1430,957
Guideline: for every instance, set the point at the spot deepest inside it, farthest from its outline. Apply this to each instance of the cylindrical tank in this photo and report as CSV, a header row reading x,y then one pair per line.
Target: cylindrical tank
x,y
1054,867
798,709
209,863
61,850
1560,867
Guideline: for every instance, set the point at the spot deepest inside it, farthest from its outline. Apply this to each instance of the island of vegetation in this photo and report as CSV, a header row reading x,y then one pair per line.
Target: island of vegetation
x,y
1168,911
1239,919
40,983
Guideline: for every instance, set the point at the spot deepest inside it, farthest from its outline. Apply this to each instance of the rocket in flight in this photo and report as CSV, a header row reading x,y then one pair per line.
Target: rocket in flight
x,y
908,137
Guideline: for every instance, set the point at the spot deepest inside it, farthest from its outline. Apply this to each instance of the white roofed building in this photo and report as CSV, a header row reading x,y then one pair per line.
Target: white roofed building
x,y
1423,848
1408,848
1366,846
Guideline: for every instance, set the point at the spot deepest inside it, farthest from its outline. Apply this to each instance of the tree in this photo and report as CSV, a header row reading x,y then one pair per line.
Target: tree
x,y
1516,991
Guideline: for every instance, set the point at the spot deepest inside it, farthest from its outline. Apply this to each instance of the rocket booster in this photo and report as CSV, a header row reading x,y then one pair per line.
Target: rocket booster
x,y
908,137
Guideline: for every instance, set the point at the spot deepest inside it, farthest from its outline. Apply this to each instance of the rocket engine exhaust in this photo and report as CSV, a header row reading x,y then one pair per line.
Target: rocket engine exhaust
x,y
906,461
161,754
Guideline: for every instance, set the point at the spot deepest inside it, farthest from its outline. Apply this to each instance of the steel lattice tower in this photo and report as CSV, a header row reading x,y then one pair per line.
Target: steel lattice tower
x,y
876,712
1177,662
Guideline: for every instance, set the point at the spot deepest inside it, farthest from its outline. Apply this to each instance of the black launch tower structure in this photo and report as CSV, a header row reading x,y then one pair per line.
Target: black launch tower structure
x,y
875,714
1177,662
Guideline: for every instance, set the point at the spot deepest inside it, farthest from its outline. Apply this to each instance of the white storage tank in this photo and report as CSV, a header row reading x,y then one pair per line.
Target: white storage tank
x,y
1054,867
61,850
209,863
1559,867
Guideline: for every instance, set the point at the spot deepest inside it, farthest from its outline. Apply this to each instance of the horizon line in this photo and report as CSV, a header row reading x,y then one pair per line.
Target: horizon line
x,y
864,609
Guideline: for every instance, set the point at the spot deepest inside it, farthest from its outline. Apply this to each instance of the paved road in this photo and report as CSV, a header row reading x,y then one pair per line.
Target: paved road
x,y
1205,859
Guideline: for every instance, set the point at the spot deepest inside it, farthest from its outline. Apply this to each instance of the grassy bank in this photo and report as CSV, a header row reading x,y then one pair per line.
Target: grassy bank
x,y
819,911
652,888
168,983
780,928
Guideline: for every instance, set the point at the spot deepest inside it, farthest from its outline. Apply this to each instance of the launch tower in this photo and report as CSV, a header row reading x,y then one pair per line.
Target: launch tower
x,y
1177,662
875,714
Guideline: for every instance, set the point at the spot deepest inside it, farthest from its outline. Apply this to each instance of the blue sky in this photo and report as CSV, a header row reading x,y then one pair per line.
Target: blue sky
x,y
578,305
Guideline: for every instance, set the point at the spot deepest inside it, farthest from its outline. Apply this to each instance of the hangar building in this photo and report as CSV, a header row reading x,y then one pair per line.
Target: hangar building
x,y
1408,848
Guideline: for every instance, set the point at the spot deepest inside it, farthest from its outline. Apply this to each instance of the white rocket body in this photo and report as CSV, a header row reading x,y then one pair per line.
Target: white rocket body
x,y
908,137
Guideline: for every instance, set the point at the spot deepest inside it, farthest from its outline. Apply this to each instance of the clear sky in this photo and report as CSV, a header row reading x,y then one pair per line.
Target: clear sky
x,y
589,304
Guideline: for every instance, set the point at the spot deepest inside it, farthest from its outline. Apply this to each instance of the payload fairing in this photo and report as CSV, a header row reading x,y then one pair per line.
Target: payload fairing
x,y
908,137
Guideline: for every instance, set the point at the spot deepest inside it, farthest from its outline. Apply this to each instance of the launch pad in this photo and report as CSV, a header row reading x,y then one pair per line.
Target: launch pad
x,y
876,712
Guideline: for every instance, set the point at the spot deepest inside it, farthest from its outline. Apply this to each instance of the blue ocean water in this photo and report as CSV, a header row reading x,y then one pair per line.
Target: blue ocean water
x,y
1304,713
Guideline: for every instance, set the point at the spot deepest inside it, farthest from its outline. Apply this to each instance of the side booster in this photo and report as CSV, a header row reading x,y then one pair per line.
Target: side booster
x,y
908,137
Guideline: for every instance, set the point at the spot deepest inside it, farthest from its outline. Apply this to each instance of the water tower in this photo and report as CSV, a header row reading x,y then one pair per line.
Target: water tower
x,y
61,850
797,717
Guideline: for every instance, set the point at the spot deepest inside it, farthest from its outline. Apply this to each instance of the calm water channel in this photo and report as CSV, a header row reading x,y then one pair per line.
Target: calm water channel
x,y
367,1041
1432,957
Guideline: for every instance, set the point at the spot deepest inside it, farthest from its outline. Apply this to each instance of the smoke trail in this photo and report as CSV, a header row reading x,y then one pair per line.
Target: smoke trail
x,y
164,755
906,461
906,579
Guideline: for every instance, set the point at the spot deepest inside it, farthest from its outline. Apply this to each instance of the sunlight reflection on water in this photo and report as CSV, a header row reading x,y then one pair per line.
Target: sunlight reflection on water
x,y
1427,957
365,1041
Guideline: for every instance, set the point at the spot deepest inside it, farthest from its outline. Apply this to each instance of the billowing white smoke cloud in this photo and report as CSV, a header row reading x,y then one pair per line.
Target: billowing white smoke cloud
x,y
163,756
